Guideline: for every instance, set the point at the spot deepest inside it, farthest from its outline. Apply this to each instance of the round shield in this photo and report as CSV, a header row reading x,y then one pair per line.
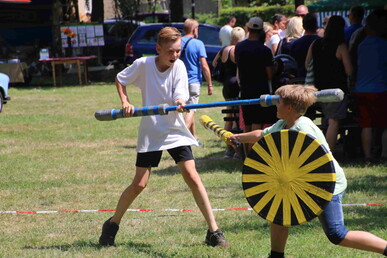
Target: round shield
x,y
288,177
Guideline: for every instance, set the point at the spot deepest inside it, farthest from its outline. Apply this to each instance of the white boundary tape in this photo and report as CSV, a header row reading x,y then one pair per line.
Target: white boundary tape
x,y
149,210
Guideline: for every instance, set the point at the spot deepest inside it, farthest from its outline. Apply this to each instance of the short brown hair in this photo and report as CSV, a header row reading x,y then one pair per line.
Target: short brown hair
x,y
300,97
168,34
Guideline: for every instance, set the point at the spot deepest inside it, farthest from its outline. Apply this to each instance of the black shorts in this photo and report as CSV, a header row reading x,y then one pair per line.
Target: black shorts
x,y
152,158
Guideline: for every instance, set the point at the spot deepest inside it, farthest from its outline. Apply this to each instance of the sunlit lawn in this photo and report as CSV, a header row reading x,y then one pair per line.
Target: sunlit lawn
x,y
54,155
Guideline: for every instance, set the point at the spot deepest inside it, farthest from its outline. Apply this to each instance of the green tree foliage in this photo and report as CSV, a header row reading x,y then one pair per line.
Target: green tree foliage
x,y
243,14
176,9
126,8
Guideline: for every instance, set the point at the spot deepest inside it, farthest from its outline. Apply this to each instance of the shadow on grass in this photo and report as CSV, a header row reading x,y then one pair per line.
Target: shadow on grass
x,y
208,164
130,147
370,184
67,247
135,247
365,218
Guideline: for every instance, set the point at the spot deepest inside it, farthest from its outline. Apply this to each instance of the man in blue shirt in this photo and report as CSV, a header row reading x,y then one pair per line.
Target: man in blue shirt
x,y
194,57
371,84
356,14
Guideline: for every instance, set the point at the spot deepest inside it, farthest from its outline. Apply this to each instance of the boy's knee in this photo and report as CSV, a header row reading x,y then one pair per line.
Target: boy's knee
x,y
336,237
138,188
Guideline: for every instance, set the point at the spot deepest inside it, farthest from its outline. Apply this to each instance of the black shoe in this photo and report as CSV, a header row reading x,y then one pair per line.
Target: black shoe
x,y
109,231
216,238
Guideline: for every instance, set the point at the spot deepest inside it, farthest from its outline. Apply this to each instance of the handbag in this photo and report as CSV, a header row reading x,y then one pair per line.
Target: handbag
x,y
218,72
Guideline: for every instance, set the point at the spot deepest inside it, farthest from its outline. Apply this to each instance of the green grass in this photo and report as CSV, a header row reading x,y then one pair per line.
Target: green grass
x,y
54,155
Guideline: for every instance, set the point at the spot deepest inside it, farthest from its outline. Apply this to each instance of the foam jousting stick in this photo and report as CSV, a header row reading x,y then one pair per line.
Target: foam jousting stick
x,y
209,124
329,95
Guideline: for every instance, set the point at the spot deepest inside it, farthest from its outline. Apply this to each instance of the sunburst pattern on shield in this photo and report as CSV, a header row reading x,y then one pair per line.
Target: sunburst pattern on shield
x,y
288,177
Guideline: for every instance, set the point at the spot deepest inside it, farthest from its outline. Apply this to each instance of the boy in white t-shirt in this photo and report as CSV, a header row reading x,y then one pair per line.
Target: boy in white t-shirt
x,y
162,79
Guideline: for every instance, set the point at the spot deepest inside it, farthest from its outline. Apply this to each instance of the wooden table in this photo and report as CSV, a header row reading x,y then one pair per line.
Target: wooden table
x,y
15,71
69,60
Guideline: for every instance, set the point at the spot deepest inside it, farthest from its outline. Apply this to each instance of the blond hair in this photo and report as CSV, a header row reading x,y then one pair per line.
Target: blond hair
x,y
237,35
294,29
300,97
168,34
189,25
267,26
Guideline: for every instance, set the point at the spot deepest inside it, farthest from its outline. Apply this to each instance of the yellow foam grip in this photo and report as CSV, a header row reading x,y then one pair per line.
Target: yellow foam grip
x,y
208,123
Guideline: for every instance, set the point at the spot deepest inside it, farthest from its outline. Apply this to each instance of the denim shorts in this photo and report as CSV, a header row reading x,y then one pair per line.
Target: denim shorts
x,y
332,220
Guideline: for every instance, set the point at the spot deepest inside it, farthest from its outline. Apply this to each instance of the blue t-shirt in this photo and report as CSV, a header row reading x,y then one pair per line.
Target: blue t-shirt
x,y
372,65
194,50
349,31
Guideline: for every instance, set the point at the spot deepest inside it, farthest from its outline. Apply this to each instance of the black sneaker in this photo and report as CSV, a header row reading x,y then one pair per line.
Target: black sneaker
x,y
216,238
109,231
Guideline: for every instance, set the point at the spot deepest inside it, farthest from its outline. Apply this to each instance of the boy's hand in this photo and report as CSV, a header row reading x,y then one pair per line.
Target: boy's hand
x,y
210,89
181,106
128,109
231,140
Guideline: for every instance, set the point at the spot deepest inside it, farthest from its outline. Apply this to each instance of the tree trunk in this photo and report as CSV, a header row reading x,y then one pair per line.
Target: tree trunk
x,y
177,12
97,11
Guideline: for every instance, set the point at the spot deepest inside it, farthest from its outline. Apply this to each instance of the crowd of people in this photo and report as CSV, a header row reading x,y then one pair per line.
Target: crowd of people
x,y
175,77
333,56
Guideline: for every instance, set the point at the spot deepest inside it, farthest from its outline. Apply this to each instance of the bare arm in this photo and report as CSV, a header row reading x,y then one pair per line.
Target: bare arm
x,y
232,55
343,54
206,73
269,72
308,56
215,61
126,106
250,137
274,48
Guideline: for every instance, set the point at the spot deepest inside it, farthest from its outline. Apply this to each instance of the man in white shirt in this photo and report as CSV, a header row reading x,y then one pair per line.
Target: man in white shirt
x,y
162,79
225,31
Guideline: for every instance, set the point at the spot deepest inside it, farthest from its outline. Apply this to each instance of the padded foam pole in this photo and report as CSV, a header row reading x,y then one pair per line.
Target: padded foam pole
x,y
328,95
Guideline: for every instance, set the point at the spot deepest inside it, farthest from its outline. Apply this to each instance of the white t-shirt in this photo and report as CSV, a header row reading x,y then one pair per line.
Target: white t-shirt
x,y
225,35
159,132
282,33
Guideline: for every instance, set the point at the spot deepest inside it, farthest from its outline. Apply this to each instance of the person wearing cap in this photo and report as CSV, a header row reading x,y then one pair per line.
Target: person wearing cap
x,y
255,68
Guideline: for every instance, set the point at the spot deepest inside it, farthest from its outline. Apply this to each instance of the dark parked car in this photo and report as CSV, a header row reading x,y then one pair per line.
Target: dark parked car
x,y
143,40
4,81
116,34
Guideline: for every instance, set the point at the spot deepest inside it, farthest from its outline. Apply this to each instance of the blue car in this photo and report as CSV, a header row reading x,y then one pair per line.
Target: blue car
x,y
143,40
116,33
4,81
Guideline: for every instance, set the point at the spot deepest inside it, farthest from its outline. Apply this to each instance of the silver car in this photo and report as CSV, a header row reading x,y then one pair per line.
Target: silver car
x,y
4,81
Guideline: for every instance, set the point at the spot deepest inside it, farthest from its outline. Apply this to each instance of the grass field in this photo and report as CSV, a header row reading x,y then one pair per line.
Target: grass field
x,y
55,156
